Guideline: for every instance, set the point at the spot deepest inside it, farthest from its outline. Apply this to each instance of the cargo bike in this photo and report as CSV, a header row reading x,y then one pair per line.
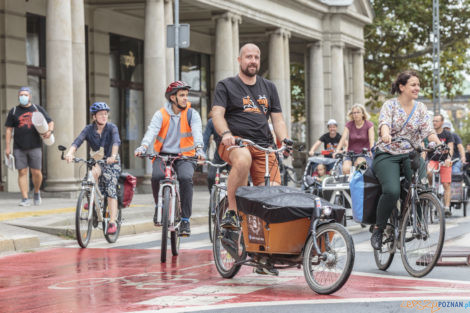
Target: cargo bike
x,y
283,227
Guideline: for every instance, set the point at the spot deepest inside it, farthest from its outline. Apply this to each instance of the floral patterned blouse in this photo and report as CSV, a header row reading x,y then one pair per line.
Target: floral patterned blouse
x,y
418,127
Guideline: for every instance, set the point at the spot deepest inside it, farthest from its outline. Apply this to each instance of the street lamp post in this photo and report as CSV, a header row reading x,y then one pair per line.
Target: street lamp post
x,y
436,82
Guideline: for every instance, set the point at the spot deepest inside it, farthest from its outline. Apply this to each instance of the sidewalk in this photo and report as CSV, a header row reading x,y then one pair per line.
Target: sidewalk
x,y
24,228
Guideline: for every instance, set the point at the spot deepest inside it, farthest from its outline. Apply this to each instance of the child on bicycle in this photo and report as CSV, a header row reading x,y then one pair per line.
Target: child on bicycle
x,y
321,171
103,139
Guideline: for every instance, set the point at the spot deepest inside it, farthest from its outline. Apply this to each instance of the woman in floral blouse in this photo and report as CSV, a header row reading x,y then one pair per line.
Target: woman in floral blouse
x,y
390,156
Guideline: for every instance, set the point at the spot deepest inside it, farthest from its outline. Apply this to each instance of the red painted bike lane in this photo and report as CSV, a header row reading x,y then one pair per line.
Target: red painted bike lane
x,y
114,280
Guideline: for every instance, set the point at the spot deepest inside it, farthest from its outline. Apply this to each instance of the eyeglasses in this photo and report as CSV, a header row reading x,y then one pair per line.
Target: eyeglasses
x,y
356,112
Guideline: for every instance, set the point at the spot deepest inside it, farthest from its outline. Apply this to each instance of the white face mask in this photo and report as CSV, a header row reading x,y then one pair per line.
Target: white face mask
x,y
24,100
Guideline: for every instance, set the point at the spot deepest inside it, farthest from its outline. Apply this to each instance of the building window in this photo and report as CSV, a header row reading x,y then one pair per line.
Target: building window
x,y
126,96
195,71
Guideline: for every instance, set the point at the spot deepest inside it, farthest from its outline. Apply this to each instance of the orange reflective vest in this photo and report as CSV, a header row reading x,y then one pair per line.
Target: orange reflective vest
x,y
186,136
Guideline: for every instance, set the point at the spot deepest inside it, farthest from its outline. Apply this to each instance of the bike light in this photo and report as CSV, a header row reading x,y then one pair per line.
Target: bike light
x,y
327,210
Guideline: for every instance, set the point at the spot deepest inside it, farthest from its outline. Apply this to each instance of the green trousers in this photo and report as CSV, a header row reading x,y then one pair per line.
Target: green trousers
x,y
387,167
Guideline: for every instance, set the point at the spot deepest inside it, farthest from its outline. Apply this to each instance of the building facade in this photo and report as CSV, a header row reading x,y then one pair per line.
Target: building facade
x,y
75,52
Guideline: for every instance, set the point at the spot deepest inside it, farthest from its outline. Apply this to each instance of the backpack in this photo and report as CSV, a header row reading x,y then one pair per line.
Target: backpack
x,y
126,184
365,193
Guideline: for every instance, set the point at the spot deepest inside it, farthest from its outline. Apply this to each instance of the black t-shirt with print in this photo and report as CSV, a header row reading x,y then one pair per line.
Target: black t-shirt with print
x,y
243,116
444,137
328,142
26,136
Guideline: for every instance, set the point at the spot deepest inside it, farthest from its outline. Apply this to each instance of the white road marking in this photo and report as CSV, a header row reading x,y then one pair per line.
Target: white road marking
x,y
220,289
187,300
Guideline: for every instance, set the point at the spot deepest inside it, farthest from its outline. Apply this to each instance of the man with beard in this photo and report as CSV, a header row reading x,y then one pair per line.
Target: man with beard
x,y
177,129
242,106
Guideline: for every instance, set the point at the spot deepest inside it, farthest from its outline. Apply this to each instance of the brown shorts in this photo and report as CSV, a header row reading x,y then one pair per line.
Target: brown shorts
x,y
258,162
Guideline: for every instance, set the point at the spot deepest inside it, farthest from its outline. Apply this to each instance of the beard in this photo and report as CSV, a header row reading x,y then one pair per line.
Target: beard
x,y
247,72
179,106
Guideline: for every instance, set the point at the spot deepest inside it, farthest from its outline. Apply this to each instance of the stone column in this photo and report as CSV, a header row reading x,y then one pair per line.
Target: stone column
x,y
79,72
223,46
154,62
170,52
277,69
287,106
358,76
337,84
60,176
236,19
316,100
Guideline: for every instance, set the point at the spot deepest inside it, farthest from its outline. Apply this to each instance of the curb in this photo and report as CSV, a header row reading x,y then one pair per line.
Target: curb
x,y
19,243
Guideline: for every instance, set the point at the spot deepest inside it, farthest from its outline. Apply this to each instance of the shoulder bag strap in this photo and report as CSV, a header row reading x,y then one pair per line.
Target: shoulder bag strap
x,y
408,119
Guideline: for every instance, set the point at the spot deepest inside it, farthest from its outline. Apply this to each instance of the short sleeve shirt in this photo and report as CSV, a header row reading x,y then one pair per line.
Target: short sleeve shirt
x,y
446,138
109,137
358,137
330,143
244,117
20,118
457,141
394,116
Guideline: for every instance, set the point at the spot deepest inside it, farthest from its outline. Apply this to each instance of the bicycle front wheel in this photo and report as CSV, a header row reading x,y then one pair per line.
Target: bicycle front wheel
x,y
327,273
174,236
225,261
165,210
111,238
83,219
212,203
384,257
422,235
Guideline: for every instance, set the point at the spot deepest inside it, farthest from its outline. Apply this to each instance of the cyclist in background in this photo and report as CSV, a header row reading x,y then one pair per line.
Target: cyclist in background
x,y
459,151
330,141
212,171
178,130
103,139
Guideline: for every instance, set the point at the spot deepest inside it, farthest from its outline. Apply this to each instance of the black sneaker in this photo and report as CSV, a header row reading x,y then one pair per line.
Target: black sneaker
x,y
185,229
266,271
230,220
376,238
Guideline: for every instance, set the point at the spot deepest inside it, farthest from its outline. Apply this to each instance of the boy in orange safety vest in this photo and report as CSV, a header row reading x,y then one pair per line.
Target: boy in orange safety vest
x,y
177,129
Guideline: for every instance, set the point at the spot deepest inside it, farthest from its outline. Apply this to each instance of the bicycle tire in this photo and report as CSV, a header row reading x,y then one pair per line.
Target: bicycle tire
x,y
174,235
384,257
421,247
317,280
165,210
292,176
83,227
111,238
211,213
224,262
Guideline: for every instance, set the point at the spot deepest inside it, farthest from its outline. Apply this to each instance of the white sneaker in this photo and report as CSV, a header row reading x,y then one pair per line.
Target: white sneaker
x,y
37,199
24,202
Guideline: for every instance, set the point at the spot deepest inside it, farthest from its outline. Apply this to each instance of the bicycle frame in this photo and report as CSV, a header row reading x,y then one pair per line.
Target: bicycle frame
x,y
96,197
171,182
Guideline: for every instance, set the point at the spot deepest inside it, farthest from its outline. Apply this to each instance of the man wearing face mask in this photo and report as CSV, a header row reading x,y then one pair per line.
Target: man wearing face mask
x,y
178,130
27,148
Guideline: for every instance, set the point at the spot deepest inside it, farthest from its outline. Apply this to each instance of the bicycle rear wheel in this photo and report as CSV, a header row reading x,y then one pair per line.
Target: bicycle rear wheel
x,y
422,236
224,260
384,257
325,276
174,236
165,210
83,219
111,238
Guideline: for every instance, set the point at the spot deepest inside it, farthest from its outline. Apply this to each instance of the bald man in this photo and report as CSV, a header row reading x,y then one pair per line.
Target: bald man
x,y
242,106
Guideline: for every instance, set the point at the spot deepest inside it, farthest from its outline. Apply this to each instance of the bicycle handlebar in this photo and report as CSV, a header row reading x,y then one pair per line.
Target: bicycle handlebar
x,y
241,142
439,148
153,156
213,164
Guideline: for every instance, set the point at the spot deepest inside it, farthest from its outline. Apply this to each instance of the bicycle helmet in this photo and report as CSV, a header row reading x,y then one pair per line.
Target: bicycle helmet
x,y
98,106
174,87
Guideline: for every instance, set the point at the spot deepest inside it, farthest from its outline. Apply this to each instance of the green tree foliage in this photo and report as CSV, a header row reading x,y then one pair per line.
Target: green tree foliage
x,y
297,91
400,38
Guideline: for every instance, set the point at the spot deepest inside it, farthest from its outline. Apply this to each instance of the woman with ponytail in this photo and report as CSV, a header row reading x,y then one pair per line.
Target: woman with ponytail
x,y
402,116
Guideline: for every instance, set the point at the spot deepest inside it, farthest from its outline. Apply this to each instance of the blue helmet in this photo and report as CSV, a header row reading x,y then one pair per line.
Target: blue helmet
x,y
98,106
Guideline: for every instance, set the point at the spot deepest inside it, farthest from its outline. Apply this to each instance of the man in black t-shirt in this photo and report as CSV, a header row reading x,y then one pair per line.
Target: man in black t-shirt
x,y
242,106
27,148
445,172
330,139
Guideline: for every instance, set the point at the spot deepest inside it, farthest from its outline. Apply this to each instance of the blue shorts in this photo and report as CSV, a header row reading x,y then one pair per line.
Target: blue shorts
x,y
457,167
